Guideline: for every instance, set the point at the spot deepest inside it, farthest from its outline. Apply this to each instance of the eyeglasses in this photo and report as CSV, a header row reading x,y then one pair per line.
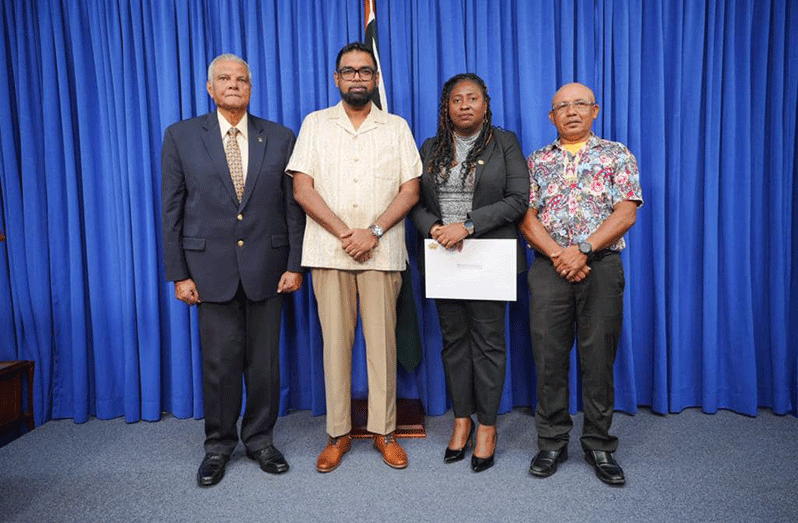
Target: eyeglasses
x,y
581,106
348,73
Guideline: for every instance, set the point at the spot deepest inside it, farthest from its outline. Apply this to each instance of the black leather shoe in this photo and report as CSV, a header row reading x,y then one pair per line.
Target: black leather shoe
x,y
480,464
211,470
605,466
544,464
271,460
452,455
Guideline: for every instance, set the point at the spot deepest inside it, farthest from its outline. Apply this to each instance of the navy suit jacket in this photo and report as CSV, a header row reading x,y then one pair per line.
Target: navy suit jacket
x,y
501,191
210,237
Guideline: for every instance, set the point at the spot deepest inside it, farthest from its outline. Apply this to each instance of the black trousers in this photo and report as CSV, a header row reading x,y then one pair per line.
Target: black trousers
x,y
473,355
240,338
590,311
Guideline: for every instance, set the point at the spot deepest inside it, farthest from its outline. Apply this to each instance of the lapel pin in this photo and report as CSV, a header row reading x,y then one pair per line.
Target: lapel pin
x,y
480,162
260,139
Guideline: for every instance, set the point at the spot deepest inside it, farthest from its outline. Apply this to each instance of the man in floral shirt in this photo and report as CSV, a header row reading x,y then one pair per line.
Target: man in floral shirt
x,y
584,196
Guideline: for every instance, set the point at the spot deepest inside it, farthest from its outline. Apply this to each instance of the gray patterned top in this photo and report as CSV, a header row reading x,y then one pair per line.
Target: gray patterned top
x,y
456,197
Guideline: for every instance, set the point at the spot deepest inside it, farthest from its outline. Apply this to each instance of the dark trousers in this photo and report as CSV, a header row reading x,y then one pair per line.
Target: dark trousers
x,y
591,311
473,355
240,338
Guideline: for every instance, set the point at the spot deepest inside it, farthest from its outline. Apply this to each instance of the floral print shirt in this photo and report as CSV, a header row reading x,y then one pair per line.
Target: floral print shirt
x,y
575,193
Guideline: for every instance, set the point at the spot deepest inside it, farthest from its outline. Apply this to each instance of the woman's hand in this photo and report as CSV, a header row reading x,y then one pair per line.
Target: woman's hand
x,y
450,236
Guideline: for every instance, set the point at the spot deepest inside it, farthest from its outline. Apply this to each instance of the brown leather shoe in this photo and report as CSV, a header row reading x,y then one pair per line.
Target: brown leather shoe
x,y
331,456
392,453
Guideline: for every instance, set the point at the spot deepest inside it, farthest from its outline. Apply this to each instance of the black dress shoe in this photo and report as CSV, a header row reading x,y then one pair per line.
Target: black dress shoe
x,y
452,455
480,464
605,466
211,470
271,460
544,464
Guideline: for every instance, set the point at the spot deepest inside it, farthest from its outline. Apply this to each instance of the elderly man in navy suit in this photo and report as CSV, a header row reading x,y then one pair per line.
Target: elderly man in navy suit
x,y
232,242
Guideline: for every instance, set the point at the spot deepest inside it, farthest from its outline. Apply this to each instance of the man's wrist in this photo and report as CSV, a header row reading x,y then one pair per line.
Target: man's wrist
x,y
376,230
586,248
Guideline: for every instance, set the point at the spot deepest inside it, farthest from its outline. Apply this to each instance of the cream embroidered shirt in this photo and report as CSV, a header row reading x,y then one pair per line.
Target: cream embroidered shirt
x,y
358,174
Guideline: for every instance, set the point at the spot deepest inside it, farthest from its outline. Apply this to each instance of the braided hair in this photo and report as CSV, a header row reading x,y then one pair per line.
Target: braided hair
x,y
443,156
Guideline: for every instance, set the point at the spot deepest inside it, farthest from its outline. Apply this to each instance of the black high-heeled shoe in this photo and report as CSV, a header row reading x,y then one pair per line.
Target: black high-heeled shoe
x,y
453,455
480,464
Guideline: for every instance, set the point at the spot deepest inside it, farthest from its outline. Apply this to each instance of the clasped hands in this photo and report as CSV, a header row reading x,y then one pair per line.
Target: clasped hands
x,y
359,243
450,236
570,264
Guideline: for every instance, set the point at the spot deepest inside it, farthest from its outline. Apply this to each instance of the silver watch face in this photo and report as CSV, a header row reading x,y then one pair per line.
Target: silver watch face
x,y
585,248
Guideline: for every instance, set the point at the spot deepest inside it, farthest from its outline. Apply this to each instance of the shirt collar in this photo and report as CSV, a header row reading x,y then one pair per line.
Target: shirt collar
x,y
592,141
224,125
375,116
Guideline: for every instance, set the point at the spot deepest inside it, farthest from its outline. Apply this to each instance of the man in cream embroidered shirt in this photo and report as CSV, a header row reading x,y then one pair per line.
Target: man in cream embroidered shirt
x,y
356,172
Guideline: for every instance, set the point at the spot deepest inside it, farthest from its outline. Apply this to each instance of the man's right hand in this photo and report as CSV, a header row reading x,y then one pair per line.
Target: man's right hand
x,y
359,243
186,291
571,264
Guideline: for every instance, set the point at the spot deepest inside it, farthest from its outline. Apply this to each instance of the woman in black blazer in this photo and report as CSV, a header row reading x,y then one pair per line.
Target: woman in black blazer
x,y
475,184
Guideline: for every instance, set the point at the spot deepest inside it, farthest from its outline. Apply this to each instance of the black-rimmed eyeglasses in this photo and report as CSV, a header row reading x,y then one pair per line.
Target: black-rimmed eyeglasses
x,y
348,73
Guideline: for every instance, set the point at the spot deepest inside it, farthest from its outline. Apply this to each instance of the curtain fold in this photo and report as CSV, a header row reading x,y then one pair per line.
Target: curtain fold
x,y
705,95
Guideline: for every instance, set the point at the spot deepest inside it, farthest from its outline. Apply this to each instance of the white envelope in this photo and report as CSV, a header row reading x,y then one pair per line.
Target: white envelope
x,y
483,270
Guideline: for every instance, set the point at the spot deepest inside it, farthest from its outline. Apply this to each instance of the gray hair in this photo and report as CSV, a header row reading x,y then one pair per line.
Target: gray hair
x,y
227,57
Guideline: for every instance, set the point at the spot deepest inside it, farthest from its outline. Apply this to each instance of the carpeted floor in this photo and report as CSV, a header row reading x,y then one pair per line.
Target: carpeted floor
x,y
682,467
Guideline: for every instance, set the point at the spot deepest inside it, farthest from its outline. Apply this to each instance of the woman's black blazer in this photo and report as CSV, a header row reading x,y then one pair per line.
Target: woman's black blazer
x,y
501,191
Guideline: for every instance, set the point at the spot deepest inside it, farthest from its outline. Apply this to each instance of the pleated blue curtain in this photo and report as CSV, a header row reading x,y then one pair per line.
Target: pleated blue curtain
x,y
705,94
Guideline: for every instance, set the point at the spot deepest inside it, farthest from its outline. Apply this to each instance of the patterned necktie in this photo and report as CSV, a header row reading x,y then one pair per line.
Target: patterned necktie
x,y
233,154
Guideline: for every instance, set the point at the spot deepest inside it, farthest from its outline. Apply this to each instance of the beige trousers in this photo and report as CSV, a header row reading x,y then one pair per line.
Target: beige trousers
x,y
337,293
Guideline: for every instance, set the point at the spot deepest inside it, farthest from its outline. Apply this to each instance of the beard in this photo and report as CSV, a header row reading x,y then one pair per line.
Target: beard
x,y
357,99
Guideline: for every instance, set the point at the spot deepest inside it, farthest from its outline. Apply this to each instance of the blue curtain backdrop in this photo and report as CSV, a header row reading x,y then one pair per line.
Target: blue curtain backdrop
x,y
704,93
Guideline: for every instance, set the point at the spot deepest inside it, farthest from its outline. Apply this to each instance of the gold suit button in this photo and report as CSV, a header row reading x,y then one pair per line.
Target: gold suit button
x,y
240,217
240,243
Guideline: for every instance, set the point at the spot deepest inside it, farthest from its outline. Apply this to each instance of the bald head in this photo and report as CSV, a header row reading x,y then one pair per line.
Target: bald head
x,y
573,91
573,110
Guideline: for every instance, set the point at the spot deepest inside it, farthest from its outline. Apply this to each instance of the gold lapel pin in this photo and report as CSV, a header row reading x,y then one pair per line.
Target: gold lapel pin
x,y
480,162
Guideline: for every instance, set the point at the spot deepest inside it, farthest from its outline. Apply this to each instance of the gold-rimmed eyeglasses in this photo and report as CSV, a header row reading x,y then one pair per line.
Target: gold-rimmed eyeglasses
x,y
581,106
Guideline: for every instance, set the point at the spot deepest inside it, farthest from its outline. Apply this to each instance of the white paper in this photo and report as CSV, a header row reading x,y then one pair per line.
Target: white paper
x,y
483,270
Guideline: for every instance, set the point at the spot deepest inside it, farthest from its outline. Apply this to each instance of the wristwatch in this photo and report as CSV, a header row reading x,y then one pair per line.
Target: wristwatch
x,y
469,226
376,230
587,249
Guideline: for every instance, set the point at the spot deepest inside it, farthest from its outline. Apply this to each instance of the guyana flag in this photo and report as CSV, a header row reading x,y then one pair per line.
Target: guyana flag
x,y
379,97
